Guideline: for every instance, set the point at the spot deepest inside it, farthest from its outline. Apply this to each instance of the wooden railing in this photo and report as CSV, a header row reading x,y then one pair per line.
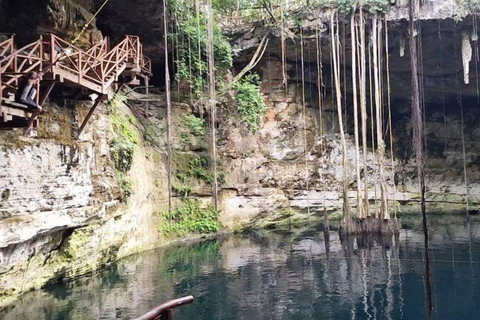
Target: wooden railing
x,y
96,68
165,310
20,62
6,48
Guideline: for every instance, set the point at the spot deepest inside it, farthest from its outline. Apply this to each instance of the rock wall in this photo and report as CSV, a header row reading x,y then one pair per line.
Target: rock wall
x,y
62,211
267,172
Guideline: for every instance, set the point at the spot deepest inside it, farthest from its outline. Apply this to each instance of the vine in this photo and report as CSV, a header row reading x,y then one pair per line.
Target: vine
x,y
192,35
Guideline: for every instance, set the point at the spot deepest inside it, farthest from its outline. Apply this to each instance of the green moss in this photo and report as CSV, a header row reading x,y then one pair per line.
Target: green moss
x,y
122,147
73,247
190,167
189,218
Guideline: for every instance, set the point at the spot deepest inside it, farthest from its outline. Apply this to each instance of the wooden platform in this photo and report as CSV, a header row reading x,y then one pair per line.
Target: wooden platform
x,y
14,115
94,70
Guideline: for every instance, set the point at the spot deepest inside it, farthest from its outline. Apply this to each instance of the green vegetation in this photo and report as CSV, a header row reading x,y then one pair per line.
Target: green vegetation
x,y
190,217
191,43
196,125
464,7
253,10
251,106
195,168
122,147
346,6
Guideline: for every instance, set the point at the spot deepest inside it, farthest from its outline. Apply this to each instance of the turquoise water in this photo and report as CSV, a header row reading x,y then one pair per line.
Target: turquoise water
x,y
289,274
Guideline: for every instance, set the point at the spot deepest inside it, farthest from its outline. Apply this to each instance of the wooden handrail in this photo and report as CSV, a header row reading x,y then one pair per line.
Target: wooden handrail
x,y
99,65
164,311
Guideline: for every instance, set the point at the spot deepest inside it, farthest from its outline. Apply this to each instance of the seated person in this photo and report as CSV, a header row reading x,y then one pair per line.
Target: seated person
x,y
25,95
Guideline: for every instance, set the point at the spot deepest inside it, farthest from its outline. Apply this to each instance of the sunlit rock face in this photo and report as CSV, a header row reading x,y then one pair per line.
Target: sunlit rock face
x,y
62,213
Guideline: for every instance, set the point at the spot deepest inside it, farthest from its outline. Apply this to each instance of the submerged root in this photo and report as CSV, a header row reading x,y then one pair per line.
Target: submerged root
x,y
347,227
369,226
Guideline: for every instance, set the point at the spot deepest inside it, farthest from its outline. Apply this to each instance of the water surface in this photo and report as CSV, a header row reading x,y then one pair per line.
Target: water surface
x,y
289,274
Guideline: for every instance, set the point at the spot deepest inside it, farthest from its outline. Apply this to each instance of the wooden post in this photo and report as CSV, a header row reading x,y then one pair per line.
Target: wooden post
x,y
88,117
47,93
147,104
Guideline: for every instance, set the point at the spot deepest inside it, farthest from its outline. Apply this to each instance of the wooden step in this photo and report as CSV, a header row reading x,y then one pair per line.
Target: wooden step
x,y
14,115
12,108
65,75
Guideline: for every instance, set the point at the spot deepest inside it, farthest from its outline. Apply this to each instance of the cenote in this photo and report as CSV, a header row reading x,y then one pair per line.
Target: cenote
x,y
153,150
283,274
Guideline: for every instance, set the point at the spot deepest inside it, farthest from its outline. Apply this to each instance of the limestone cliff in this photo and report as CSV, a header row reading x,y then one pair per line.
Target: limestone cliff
x,y
63,211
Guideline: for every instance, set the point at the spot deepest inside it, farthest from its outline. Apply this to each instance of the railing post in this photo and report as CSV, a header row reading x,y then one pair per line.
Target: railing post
x,y
53,54
41,52
80,69
138,51
84,123
12,48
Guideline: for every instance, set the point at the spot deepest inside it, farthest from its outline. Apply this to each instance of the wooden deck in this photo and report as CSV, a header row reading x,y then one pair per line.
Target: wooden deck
x,y
10,109
94,70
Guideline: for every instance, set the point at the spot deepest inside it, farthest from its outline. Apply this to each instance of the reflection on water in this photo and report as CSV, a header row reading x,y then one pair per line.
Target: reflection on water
x,y
292,274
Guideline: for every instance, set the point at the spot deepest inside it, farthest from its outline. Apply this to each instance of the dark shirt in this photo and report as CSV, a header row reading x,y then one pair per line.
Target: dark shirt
x,y
21,86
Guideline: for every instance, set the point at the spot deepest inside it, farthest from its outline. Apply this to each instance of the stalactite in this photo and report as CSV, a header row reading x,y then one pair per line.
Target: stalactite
x,y
346,225
475,39
466,56
462,123
402,46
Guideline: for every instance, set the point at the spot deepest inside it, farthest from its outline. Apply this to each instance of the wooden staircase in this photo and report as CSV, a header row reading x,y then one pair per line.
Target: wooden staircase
x,y
94,70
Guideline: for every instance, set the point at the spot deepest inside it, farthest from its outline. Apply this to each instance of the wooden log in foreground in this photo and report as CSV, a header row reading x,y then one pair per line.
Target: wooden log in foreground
x,y
165,310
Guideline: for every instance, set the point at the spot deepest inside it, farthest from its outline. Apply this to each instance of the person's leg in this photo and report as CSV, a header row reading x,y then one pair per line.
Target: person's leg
x,y
36,111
